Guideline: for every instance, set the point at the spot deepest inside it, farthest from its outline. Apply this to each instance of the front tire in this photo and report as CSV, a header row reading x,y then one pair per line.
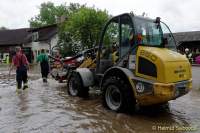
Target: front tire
x,y
75,86
118,95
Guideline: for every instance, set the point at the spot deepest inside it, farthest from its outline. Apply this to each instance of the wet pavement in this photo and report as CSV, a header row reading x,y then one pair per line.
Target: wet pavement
x,y
47,108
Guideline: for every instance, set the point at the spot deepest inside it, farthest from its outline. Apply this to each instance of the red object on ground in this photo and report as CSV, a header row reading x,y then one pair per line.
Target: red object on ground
x,y
197,59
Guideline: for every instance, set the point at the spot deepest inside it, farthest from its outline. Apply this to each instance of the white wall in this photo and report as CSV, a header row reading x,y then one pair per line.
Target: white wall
x,y
37,46
54,41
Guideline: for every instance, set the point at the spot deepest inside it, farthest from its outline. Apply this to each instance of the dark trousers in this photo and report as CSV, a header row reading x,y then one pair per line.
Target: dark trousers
x,y
21,76
44,74
44,69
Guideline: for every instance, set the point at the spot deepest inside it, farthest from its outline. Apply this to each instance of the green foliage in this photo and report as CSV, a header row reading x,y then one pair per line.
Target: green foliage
x,y
66,42
49,13
85,27
111,35
80,31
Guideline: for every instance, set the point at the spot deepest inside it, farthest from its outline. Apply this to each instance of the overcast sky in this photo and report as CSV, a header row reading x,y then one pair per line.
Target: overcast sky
x,y
180,15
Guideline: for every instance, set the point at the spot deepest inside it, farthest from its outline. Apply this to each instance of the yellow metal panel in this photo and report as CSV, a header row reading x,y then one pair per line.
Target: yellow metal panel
x,y
162,93
88,63
171,66
176,71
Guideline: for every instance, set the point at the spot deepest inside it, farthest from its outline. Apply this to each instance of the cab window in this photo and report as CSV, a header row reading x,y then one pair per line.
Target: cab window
x,y
110,40
148,32
127,35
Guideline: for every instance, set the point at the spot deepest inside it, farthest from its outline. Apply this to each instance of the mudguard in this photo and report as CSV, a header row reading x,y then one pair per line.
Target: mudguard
x,y
126,72
86,76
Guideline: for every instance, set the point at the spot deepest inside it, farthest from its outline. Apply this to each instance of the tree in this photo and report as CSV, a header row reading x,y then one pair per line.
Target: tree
x,y
85,26
80,31
49,14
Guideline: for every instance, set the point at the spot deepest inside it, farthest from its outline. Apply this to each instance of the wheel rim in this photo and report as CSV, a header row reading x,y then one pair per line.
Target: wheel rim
x,y
113,97
73,87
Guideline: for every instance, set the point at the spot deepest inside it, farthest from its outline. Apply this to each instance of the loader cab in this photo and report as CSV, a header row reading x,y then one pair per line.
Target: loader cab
x,y
153,33
116,40
125,33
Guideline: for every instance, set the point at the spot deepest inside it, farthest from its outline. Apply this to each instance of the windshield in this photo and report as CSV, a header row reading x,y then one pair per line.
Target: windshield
x,y
148,32
171,44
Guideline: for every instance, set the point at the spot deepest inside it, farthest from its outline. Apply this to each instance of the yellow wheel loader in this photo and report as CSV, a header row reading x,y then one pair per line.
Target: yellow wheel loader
x,y
136,64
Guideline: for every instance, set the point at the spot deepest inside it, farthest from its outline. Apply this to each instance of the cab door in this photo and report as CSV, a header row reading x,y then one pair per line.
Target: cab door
x,y
127,41
116,40
109,44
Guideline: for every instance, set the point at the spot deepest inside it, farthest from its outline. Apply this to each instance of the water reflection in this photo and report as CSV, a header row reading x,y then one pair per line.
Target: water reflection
x,y
23,100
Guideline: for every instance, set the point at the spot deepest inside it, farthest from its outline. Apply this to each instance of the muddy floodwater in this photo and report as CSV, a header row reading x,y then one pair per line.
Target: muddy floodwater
x,y
47,108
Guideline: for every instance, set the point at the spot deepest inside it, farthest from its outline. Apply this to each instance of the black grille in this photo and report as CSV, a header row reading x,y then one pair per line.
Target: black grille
x,y
146,67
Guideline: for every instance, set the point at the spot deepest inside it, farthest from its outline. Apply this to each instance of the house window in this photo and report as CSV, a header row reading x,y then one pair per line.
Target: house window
x,y
35,36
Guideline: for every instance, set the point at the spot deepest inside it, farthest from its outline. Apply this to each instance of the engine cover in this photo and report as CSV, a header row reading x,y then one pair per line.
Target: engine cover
x,y
162,65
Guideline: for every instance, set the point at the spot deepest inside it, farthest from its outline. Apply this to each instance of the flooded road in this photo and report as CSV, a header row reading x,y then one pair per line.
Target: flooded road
x,y
47,108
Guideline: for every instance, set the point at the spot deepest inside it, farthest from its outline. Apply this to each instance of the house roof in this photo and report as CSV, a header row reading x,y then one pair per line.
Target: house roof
x,y
46,32
187,36
23,36
14,37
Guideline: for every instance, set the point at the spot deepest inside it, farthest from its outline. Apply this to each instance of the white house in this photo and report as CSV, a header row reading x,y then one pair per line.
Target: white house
x,y
9,39
43,38
32,40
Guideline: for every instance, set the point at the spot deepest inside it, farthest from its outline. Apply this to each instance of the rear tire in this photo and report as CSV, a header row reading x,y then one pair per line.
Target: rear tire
x,y
118,95
75,86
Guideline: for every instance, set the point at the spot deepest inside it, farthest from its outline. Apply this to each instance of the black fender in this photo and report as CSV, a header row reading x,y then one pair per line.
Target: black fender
x,y
124,73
